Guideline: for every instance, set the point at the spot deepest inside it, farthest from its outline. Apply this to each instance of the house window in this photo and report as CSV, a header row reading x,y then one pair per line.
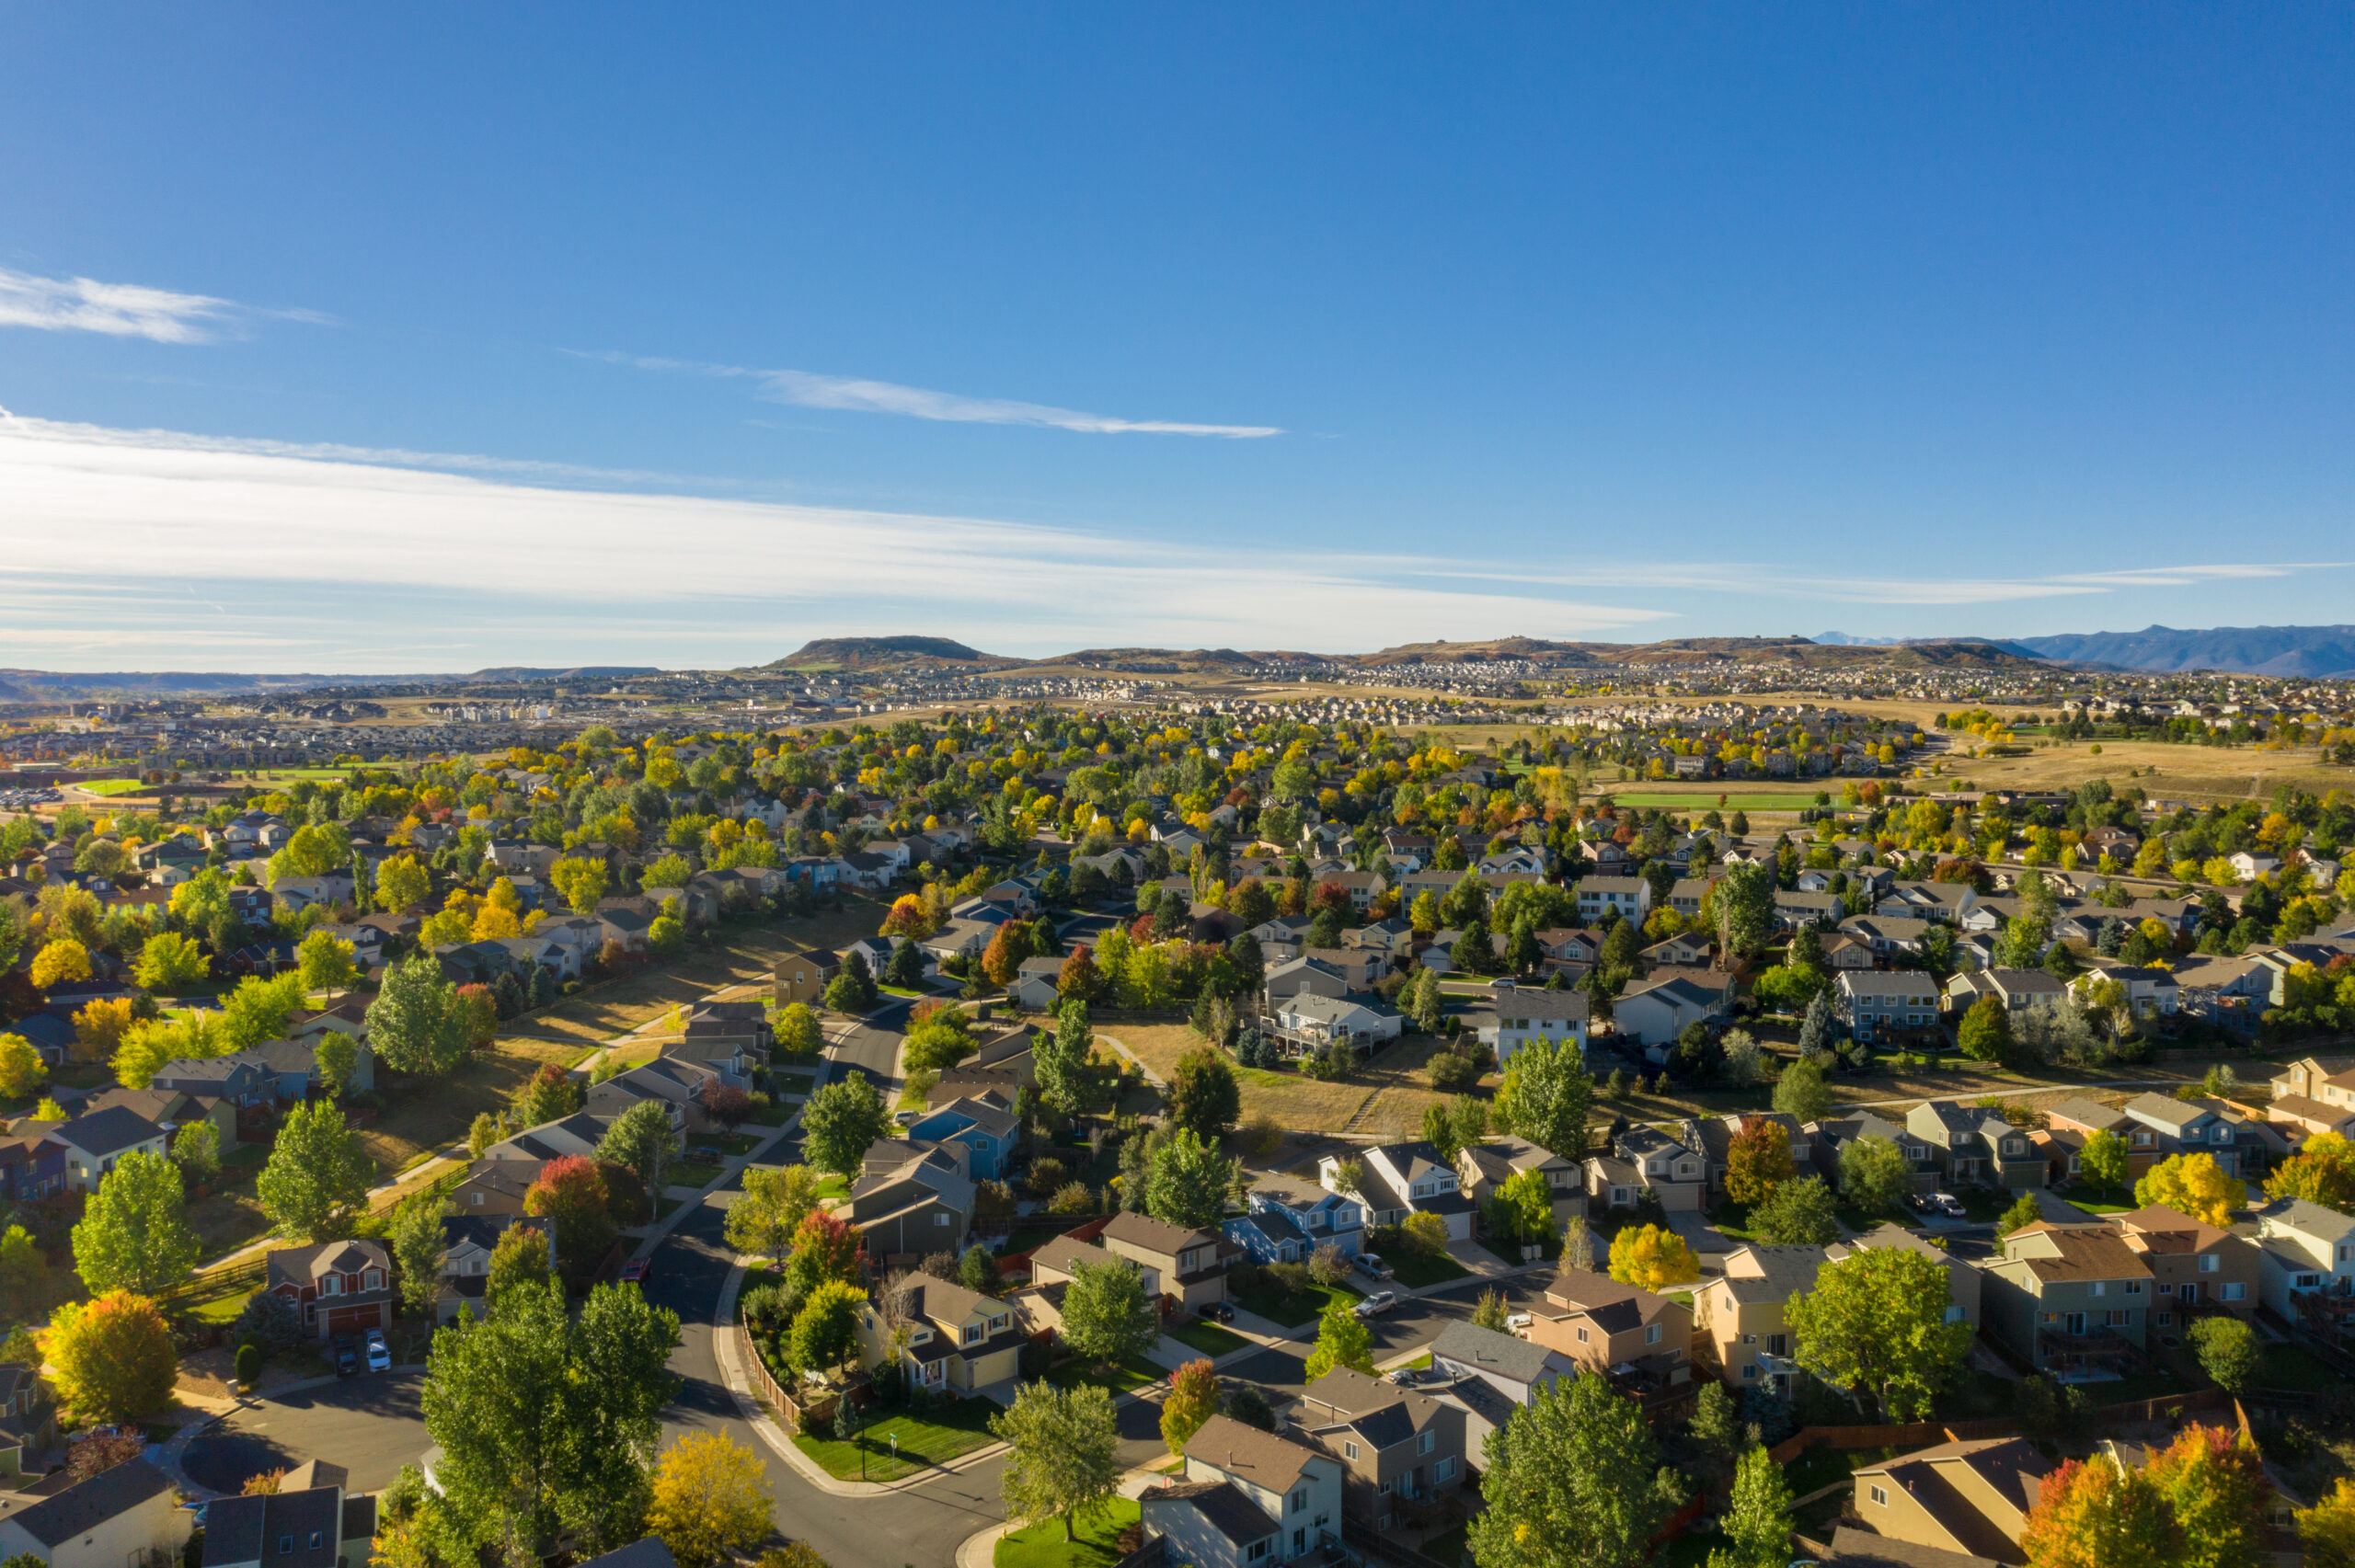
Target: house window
x,y
1350,1451
1258,1552
1750,1339
1651,1333
331,1286
314,1540
1444,1470
2235,1291
2133,1288
373,1279
1299,1501
2166,1320
1750,1371
2210,1262
2101,1286
1582,1336
941,1219
973,1333
285,1544
1424,1442
1880,1497
477,1197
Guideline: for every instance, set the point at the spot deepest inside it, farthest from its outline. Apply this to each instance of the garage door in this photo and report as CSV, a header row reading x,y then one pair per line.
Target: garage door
x,y
355,1319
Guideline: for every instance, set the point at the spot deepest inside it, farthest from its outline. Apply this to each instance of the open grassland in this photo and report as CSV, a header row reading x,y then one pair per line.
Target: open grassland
x,y
2205,774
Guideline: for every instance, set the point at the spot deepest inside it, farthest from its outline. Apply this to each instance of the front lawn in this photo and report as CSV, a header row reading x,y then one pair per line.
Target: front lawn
x,y
691,1174
1208,1337
1414,1270
1094,1543
934,1435
784,1081
1126,1378
1292,1311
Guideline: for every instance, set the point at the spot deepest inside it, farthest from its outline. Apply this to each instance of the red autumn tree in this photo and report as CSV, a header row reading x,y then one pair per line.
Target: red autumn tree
x,y
2090,1513
570,1194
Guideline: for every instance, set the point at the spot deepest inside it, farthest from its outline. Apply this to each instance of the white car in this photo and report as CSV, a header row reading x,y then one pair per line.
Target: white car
x,y
379,1354
1519,1323
1379,1302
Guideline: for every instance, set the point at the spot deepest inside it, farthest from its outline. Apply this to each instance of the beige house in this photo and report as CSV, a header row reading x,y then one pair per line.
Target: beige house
x,y
802,976
1058,1260
1970,1497
1481,1169
960,1341
2069,1298
1642,1342
1246,1497
1738,1328
1191,1264
2195,1269
1396,1449
124,1518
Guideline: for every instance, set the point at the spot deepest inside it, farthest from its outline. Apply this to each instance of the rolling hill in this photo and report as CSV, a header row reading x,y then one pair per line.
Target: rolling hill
x,y
2317,652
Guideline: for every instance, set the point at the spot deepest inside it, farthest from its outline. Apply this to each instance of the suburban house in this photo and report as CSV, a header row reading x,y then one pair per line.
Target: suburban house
x,y
1397,1449
2197,1268
1714,1136
2069,1298
1191,1263
1312,1021
94,1142
1526,1014
1056,1260
1482,1168
1653,1012
911,1203
1517,1369
989,1130
1627,897
1962,1276
1827,1138
1960,1500
1289,1219
961,1341
1246,1497
1033,989
1738,1328
2192,1127
171,1110
1974,1147
802,976
27,1417
2151,993
1642,1342
1643,1160
1880,1004
495,1186
2302,1248
467,1242
342,1287
1407,1178
676,1084
128,1517
312,1520
579,1133
2015,990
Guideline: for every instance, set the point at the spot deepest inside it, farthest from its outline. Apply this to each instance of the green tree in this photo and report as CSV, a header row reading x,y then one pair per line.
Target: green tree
x,y
1545,1094
335,1056
24,1268
1193,1399
2025,1210
548,1422
21,1067
2102,1161
112,1359
196,1149
1203,1097
582,880
520,1258
825,1332
1063,1453
1189,1181
1745,909
852,988
1107,1316
1985,1033
1572,1478
261,1010
402,883
1874,1174
418,1252
1717,1429
771,1209
641,1138
1804,1092
798,1031
1757,1520
1059,1058
1342,1340
171,963
1876,1324
317,1177
839,1123
417,1024
1797,1213
2228,1351
135,1233
1525,1203
326,962
2214,1482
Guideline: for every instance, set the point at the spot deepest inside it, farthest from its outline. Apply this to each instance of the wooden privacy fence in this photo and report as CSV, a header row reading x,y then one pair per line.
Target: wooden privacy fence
x,y
1921,1434
791,1408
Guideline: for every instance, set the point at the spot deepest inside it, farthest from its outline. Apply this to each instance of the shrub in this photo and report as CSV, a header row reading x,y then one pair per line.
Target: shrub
x,y
1453,1073
274,1321
249,1358
1293,1279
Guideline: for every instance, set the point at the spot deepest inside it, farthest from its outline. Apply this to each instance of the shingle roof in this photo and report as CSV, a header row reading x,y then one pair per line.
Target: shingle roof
x,y
1489,1351
83,1507
1154,1235
1240,1450
1221,1506
109,1131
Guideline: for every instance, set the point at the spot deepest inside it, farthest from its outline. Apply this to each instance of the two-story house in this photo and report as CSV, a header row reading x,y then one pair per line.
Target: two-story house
x,y
2196,1268
2015,990
1289,1219
1714,1136
1641,1341
2193,1126
1738,1328
911,1204
1975,1147
1400,1179
1191,1264
1645,1161
312,1520
1482,1168
343,1288
1962,1501
676,1084
1526,1014
1652,1011
1827,1138
2074,1120
1246,1497
95,1142
2302,1247
1630,897
1962,1274
495,1186
2069,1299
1883,1005
1395,1447
989,1130
960,1340
1490,1374
1058,1259
467,1242
126,1514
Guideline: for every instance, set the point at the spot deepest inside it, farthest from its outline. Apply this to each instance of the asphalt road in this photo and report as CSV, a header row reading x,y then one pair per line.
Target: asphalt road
x,y
872,1045
368,1424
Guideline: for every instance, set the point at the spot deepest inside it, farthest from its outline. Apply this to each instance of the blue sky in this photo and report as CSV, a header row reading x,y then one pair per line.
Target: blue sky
x,y
440,337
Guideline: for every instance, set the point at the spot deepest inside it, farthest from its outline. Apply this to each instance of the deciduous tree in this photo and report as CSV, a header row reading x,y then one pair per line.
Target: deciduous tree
x,y
316,1178
2091,1514
569,1193
1193,1399
418,1252
134,1234
642,1139
326,962
1544,1096
710,1499
839,1123
1060,1056
1063,1462
1189,1181
2102,1161
1651,1258
1203,1097
1876,1324
2193,1184
112,1359
774,1204
1797,1213
1758,1160
1573,1477
171,963
1107,1316
1342,1340
417,1024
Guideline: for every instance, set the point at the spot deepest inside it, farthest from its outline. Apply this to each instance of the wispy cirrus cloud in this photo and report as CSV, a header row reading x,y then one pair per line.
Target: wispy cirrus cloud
x,y
125,310
857,394
1761,579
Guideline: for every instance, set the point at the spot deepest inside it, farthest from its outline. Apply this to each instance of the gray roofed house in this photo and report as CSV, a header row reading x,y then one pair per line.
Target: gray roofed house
x,y
579,1133
310,1522
1515,1368
103,1522
647,1553
94,1142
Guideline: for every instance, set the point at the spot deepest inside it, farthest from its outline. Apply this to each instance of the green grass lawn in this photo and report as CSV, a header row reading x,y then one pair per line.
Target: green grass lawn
x,y
784,1080
1126,1378
2127,1391
1415,1270
733,1143
2287,1366
691,1174
1447,1547
1291,1311
1093,1543
1207,1337
930,1436
832,1184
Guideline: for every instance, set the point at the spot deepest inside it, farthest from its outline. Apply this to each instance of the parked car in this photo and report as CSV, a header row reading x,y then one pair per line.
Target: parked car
x,y
1371,1266
1374,1305
1945,1205
1518,1323
1217,1311
636,1271
380,1354
347,1356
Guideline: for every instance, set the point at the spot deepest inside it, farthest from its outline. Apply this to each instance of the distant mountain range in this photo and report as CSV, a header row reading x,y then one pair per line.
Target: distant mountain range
x,y
2313,652
70,686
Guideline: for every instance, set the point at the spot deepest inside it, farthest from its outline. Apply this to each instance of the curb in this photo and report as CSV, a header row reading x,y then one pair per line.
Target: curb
x,y
169,1457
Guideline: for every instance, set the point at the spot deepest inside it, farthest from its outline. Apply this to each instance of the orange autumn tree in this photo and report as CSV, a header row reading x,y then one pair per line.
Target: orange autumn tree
x,y
1758,1160
2090,1513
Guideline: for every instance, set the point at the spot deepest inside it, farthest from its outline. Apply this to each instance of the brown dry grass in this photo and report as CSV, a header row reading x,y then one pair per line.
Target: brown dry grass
x,y
1386,1098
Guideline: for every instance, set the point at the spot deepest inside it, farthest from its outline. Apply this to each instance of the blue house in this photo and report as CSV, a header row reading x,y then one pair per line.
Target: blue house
x,y
988,1129
1289,1219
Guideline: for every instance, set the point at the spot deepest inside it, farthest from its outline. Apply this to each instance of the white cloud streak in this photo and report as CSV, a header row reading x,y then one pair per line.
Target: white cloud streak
x,y
1759,579
808,389
124,310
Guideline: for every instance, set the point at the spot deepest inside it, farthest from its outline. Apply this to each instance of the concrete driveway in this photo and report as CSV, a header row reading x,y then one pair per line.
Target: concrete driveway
x,y
368,1424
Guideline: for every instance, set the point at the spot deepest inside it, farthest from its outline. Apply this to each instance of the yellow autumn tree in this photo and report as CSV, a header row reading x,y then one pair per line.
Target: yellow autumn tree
x,y
62,961
711,1499
1651,1258
2193,1184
